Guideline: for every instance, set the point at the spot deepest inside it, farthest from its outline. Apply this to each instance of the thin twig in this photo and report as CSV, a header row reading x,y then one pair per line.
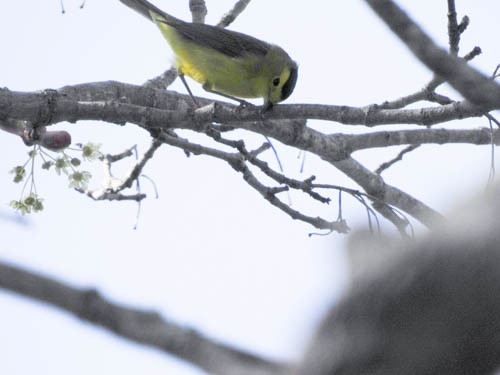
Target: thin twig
x,y
275,152
230,16
496,73
492,118
198,10
162,81
112,187
491,176
237,161
393,161
453,33
306,186
139,166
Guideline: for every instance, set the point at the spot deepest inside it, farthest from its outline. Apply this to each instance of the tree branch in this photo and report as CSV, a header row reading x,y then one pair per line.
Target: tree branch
x,y
112,187
106,101
144,327
172,111
428,91
374,185
474,86
481,136
453,31
238,162
198,10
230,16
394,160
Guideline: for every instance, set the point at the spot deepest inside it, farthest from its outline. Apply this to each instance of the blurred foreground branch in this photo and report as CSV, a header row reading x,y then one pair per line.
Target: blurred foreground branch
x,y
144,327
427,307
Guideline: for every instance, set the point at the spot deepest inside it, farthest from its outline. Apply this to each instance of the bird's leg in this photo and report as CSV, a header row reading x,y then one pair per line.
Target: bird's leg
x,y
243,103
183,79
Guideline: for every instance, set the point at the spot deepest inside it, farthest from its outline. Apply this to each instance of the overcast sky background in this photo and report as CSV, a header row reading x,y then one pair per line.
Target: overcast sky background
x,y
210,252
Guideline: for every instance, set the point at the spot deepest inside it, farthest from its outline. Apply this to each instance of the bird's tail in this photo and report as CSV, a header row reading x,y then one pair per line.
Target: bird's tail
x,y
148,10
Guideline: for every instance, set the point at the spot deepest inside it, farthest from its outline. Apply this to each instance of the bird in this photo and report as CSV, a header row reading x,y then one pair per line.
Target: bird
x,y
228,63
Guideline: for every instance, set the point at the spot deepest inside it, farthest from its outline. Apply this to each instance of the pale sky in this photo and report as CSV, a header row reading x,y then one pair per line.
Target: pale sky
x,y
210,252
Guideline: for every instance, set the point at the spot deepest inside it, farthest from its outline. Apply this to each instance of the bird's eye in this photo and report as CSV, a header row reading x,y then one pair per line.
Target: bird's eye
x,y
276,81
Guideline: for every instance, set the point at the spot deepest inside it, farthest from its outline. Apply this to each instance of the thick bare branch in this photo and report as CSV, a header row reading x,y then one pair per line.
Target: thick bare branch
x,y
118,103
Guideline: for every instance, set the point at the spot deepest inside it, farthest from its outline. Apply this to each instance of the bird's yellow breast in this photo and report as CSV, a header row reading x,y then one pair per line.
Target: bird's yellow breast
x,y
235,76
